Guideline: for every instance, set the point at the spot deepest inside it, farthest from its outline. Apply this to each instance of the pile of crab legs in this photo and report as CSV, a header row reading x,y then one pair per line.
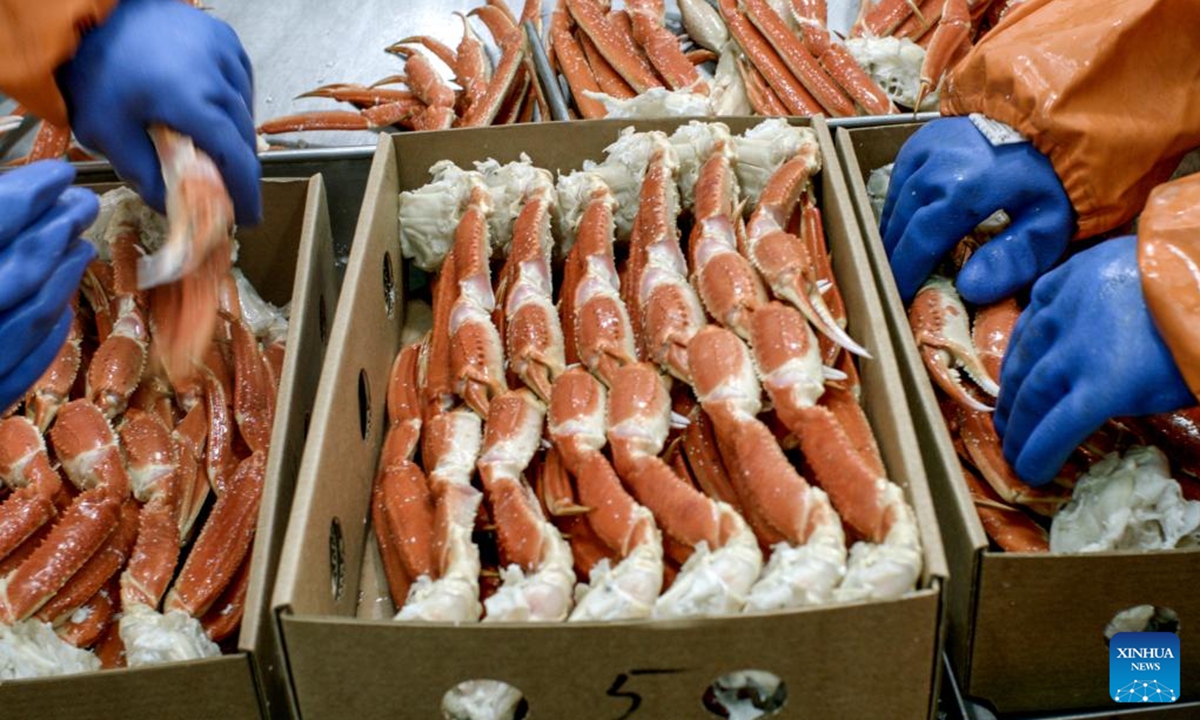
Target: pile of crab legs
x,y
962,353
484,95
774,57
664,363
145,421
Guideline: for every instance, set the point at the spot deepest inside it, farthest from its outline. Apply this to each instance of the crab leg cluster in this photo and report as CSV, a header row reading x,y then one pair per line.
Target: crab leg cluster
x,y
479,95
113,560
771,58
628,467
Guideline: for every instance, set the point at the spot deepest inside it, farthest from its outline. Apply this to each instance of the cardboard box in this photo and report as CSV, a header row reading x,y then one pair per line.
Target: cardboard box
x,y
348,659
1026,631
289,257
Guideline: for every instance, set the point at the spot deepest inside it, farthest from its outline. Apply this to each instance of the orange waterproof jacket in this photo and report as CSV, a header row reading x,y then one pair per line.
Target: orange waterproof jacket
x,y
1169,258
1109,90
36,36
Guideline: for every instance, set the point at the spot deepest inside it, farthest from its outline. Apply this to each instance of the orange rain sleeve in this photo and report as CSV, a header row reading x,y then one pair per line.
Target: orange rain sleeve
x,y
1169,258
36,36
1109,90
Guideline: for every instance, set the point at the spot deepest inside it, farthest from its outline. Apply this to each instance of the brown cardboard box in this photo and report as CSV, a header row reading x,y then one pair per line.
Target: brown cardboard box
x,y
348,659
1026,631
289,257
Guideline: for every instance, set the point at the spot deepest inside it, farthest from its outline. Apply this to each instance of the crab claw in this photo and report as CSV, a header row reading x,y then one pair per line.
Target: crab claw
x,y
939,322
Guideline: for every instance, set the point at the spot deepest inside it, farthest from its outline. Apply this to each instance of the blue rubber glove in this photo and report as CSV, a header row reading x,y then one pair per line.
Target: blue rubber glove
x,y
948,178
1084,351
42,259
162,61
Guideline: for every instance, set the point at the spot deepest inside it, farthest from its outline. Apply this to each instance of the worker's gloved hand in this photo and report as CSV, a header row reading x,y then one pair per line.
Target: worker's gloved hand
x,y
1085,350
162,61
42,259
948,178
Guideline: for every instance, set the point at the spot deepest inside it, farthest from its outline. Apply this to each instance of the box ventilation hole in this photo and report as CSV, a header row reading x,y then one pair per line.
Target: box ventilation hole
x,y
746,694
1142,618
337,560
389,284
322,322
364,404
501,699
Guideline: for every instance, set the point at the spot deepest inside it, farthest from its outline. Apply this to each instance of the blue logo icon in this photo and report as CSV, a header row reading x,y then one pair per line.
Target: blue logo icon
x,y
1143,667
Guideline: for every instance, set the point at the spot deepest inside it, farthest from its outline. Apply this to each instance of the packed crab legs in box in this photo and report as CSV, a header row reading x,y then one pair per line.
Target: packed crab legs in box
x,y
627,464
111,551
1117,491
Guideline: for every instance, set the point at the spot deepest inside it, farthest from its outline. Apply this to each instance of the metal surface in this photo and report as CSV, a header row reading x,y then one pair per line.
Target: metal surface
x,y
545,75
874,120
17,134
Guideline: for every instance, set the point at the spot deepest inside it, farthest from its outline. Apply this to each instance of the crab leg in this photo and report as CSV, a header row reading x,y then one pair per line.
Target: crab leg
x,y
983,447
845,70
635,69
803,65
225,614
25,467
476,353
662,47
117,366
939,322
451,448
512,62
51,142
97,616
609,80
727,284
472,69
953,34
574,65
794,95
402,506
599,333
154,473
787,356
883,17
670,311
183,310
528,542
1007,526
762,98
225,540
924,18
777,500
408,113
84,443
533,336
191,436
424,80
362,96
577,426
439,49
253,395
781,257
52,389
722,555
100,569
992,330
